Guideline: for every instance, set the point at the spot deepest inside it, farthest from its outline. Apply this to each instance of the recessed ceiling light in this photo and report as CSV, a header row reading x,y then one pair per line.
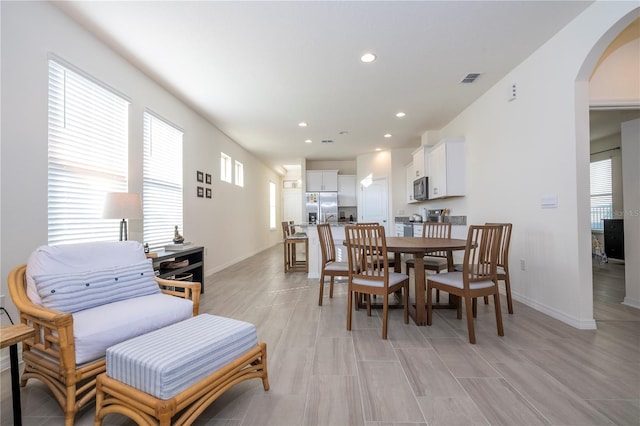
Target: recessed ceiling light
x,y
388,135
308,141
368,57
400,114
302,124
378,149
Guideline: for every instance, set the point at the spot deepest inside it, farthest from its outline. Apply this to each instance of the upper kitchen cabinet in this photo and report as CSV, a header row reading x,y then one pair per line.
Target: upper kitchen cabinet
x,y
322,180
447,169
410,178
420,166
347,190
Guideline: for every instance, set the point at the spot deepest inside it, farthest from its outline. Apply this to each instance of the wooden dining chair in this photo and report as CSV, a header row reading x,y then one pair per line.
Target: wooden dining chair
x,y
503,261
290,242
330,267
478,277
369,271
436,261
503,265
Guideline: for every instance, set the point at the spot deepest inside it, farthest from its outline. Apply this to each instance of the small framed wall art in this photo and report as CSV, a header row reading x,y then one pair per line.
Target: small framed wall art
x,y
208,192
207,179
199,176
200,192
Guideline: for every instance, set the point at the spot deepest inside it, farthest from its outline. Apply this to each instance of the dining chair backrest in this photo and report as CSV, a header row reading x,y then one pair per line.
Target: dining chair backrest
x,y
503,254
481,253
327,247
436,230
367,253
367,224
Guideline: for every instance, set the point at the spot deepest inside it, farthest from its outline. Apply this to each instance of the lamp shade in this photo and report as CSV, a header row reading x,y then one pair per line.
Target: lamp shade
x,y
122,205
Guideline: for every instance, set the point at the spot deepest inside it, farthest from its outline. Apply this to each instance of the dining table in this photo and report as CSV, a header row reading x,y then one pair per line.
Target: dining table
x,y
420,247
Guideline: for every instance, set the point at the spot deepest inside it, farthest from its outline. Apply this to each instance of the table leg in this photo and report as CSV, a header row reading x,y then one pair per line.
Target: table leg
x,y
419,287
15,385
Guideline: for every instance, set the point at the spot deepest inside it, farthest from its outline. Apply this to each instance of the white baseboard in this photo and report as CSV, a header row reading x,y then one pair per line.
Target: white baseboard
x,y
631,302
579,323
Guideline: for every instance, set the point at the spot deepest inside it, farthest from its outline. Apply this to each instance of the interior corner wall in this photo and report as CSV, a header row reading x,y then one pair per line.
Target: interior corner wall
x,y
226,225
533,148
631,216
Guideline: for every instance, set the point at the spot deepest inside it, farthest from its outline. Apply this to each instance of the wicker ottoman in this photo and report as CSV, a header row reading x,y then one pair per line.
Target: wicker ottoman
x,y
179,370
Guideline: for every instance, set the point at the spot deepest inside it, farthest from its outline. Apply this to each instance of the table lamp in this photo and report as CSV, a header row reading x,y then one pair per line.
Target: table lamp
x,y
122,205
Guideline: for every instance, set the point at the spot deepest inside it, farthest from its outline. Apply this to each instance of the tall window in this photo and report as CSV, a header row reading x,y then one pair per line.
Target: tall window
x,y
225,167
239,173
162,181
601,193
87,155
272,205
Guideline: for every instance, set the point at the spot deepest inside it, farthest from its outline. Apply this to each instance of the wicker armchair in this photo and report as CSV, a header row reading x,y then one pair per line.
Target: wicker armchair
x,y
50,356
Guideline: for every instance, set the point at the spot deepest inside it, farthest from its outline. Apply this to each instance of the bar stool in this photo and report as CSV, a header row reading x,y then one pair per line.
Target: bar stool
x,y
290,242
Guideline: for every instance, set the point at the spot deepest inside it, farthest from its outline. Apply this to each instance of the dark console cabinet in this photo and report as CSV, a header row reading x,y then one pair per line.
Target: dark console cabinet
x,y
614,238
194,255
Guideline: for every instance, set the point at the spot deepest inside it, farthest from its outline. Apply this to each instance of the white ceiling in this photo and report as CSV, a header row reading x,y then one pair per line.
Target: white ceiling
x,y
256,69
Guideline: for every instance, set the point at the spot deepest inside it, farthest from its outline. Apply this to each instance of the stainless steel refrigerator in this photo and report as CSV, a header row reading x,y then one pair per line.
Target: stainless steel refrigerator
x,y
322,207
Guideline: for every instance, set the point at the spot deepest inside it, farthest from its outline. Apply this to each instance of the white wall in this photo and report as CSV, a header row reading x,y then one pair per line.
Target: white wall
x,y
622,60
535,146
631,176
231,226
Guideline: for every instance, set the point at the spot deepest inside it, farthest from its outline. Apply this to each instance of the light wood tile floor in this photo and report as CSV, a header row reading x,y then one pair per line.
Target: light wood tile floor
x,y
542,372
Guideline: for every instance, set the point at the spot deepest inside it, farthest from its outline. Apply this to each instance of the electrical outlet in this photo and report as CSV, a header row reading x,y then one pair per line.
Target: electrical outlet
x,y
522,265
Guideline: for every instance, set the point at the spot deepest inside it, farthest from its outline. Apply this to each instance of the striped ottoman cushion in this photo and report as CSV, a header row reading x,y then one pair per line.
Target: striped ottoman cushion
x,y
167,361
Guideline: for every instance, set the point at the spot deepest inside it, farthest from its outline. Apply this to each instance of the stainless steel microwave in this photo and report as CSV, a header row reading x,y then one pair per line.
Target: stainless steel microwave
x,y
421,189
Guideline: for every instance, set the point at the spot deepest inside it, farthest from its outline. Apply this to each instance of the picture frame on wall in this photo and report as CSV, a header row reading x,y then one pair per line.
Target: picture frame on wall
x,y
200,192
207,179
199,176
208,192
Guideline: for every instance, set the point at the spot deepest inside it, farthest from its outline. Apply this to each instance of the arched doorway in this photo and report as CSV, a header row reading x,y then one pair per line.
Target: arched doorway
x,y
613,85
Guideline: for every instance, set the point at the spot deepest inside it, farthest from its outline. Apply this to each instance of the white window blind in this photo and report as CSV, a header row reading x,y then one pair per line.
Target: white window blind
x,y
239,174
162,186
225,167
601,193
87,156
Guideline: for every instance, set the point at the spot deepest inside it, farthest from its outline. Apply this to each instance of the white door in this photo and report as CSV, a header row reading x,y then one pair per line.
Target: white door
x,y
375,206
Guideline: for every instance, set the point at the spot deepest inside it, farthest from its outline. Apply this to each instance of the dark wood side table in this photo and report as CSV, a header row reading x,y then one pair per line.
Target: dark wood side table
x,y
10,336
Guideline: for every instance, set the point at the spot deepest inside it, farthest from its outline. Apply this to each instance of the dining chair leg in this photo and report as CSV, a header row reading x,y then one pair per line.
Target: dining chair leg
x,y
385,315
368,299
458,306
429,307
349,308
496,302
321,292
472,333
507,288
475,307
486,300
331,288
406,303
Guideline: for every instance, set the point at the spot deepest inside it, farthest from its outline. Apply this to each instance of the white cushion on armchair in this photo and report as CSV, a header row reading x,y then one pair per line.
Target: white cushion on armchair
x,y
74,258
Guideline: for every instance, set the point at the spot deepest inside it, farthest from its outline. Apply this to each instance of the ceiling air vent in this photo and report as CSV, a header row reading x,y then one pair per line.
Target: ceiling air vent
x,y
471,77
327,141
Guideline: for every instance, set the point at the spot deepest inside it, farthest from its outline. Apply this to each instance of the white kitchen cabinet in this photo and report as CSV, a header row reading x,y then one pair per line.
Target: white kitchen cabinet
x,y
420,166
410,178
447,169
417,230
322,180
399,229
347,191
